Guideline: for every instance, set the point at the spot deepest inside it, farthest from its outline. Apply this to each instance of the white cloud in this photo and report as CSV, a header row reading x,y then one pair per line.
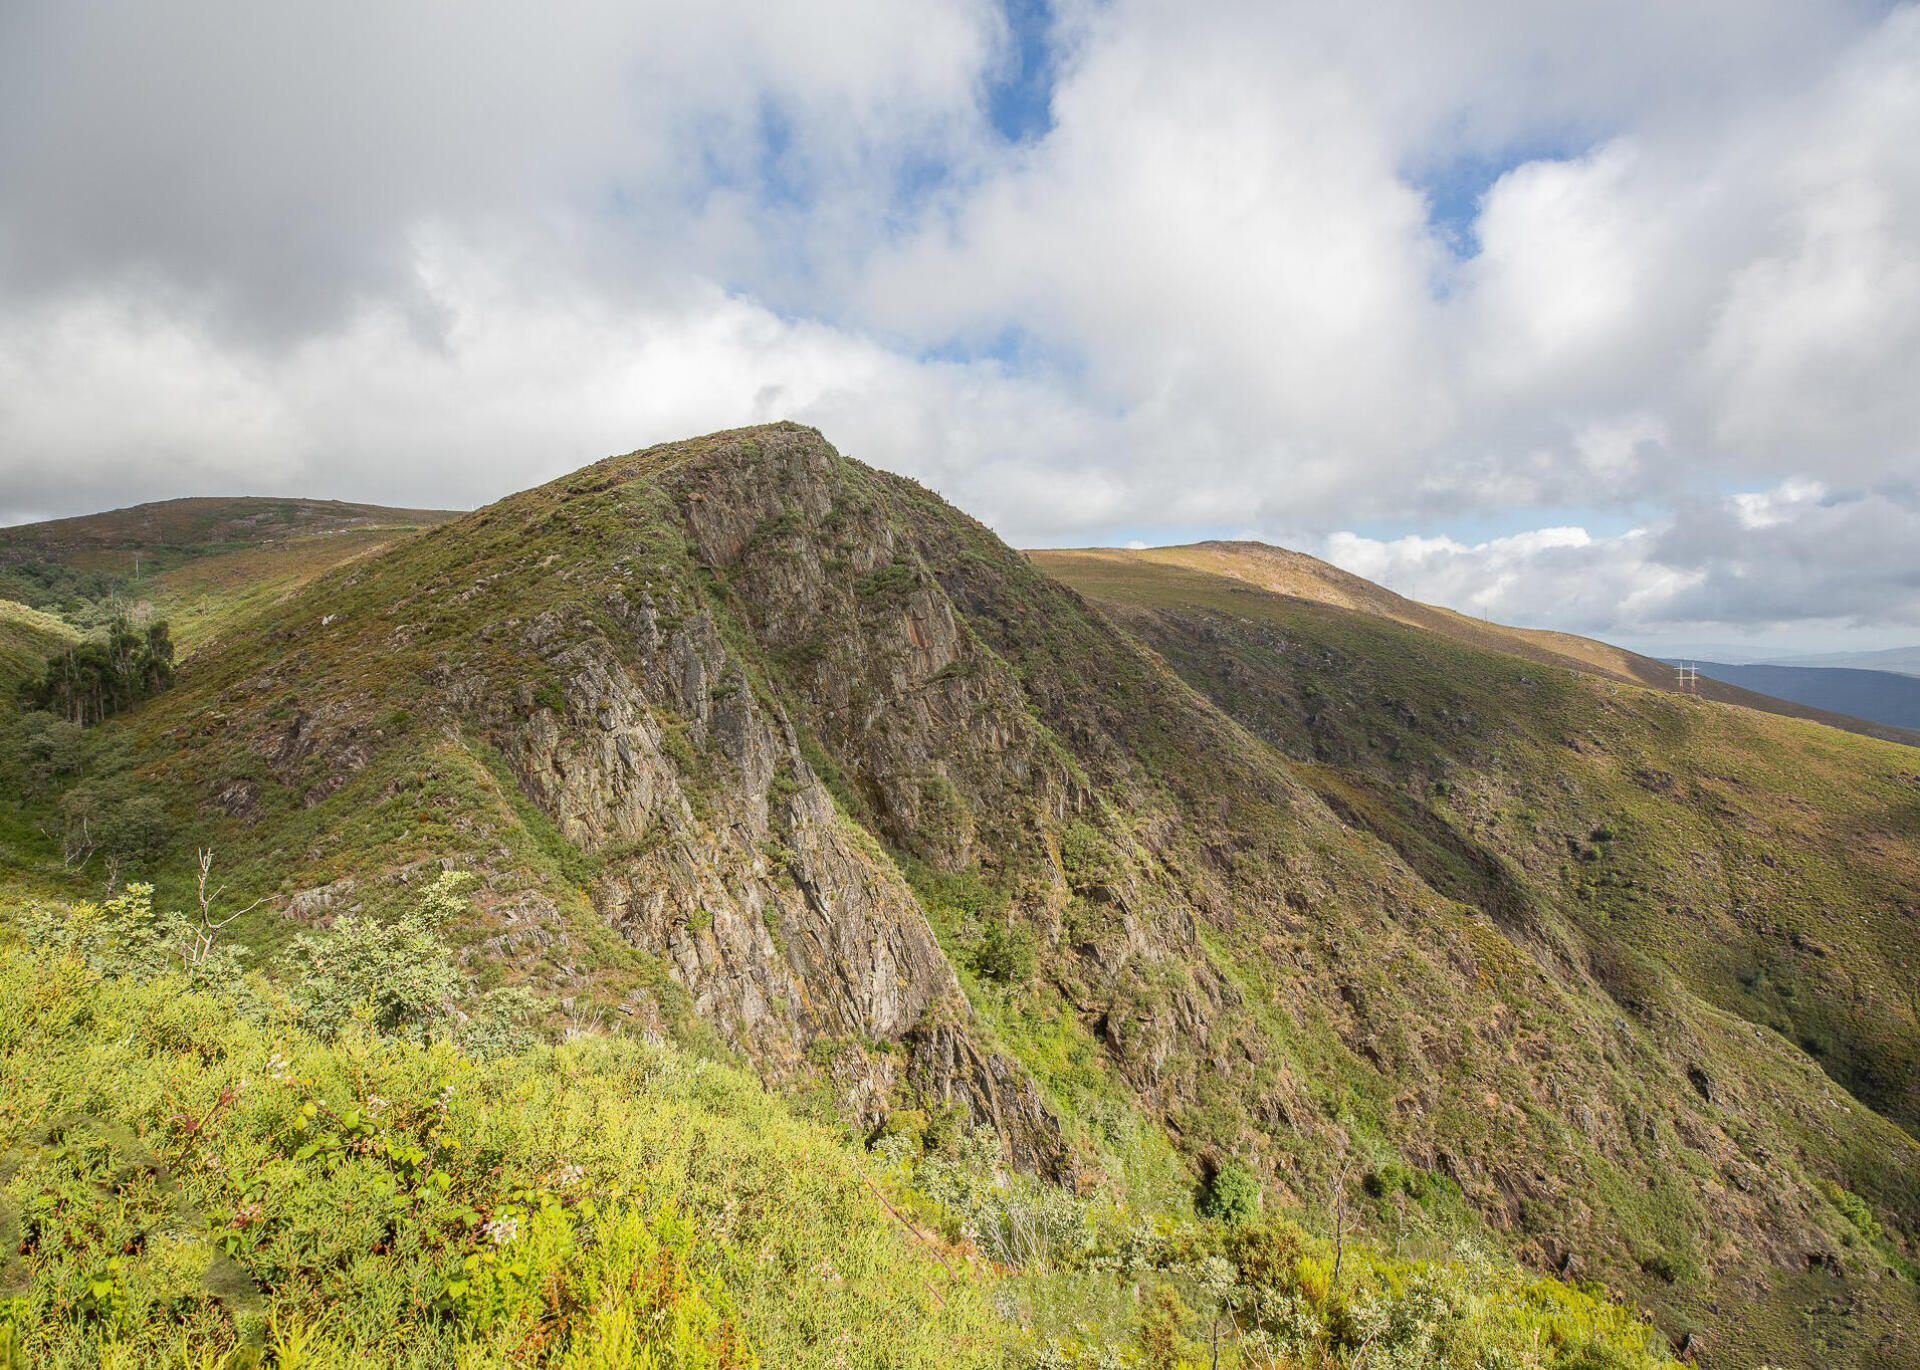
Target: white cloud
x,y
410,252
1755,560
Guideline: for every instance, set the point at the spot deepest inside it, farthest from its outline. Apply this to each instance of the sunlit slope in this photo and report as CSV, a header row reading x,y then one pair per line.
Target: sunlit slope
x,y
180,528
1300,576
199,563
27,638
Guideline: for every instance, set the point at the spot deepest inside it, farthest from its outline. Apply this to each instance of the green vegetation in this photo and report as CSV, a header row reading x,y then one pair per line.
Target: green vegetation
x,y
93,680
52,585
1004,955
203,564
187,1172
191,1178
1701,859
1232,1195
1347,940
28,638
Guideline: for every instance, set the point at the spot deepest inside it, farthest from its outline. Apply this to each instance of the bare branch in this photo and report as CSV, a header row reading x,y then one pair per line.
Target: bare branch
x,y
209,925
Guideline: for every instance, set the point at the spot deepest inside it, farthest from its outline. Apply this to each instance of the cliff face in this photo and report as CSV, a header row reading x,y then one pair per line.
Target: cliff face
x,y
673,758
803,740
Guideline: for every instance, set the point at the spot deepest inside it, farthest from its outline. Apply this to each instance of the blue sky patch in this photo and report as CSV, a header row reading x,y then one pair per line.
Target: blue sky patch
x,y
1020,94
1454,188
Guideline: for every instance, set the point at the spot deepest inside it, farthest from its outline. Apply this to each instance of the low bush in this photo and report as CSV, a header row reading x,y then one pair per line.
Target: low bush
x,y
395,977
1231,1194
1004,955
201,1170
188,1184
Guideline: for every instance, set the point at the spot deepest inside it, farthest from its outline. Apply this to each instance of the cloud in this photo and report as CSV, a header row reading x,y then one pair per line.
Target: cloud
x,y
1197,272
515,385
1796,553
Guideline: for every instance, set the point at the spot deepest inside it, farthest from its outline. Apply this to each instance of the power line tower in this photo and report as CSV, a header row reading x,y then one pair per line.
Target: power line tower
x,y
1687,677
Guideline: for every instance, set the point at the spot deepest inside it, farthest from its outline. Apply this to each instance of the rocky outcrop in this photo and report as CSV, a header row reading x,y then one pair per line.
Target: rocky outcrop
x,y
948,1067
931,728
724,854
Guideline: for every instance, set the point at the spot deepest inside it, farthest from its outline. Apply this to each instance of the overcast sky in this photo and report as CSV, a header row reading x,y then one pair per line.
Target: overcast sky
x,y
1597,316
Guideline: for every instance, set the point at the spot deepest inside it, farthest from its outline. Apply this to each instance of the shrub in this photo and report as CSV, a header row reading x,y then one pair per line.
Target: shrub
x,y
897,578
1384,1181
396,977
1265,1255
40,749
1004,955
1854,1209
127,938
113,817
1014,1220
1085,858
605,1203
1231,1194
502,1022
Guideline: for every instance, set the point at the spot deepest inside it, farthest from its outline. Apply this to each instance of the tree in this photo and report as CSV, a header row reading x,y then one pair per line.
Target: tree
x,y
96,679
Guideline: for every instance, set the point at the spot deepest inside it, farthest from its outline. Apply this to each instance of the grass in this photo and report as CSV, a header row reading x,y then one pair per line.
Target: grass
x,y
27,638
188,1179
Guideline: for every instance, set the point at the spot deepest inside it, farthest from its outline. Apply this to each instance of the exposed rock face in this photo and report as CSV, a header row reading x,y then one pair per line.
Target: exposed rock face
x,y
948,1067
730,859
932,727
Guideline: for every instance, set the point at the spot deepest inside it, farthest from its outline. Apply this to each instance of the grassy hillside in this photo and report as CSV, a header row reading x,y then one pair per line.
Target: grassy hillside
x,y
1773,861
200,563
1298,576
792,763
188,1177
175,530
27,638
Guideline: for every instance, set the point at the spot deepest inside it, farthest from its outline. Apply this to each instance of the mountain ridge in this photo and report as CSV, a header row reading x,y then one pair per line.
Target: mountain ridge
x,y
767,750
1888,697
1283,571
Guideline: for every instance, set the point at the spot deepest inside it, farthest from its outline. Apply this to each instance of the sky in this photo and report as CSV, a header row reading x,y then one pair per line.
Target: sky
x,y
1603,317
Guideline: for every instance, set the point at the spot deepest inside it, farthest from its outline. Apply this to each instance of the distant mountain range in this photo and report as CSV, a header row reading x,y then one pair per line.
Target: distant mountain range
x,y
1903,660
1880,696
